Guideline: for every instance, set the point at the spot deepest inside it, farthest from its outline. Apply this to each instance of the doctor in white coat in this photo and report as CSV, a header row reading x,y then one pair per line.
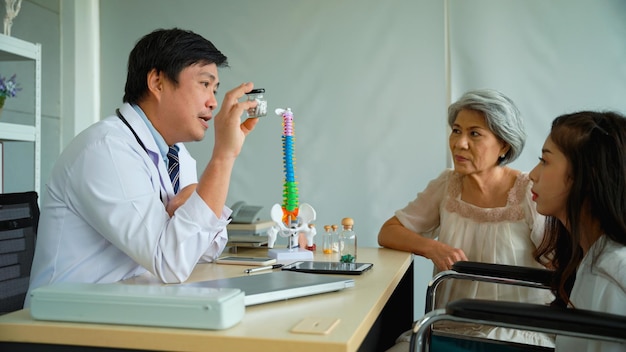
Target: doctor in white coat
x,y
110,211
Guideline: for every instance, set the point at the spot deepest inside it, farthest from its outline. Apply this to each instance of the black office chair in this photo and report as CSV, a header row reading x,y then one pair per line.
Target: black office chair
x,y
19,218
525,316
485,272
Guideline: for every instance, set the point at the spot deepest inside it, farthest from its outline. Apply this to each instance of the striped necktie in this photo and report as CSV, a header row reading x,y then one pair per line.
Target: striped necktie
x,y
173,169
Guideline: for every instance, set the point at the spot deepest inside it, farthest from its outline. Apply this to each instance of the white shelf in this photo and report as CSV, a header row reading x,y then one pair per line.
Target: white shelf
x,y
15,132
14,49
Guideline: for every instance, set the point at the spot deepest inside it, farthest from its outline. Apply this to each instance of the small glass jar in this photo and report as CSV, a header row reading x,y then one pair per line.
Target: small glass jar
x,y
261,106
335,238
347,242
327,246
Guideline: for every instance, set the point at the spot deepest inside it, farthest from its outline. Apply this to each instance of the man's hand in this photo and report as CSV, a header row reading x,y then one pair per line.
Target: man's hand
x,y
230,132
180,198
230,135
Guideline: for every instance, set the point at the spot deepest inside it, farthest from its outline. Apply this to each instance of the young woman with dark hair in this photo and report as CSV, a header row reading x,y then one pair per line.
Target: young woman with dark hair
x,y
580,185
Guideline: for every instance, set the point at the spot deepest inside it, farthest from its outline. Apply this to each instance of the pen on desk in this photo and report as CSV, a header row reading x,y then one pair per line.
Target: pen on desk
x,y
261,268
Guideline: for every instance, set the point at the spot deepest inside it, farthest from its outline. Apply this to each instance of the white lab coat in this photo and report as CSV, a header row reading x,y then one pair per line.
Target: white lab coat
x,y
103,218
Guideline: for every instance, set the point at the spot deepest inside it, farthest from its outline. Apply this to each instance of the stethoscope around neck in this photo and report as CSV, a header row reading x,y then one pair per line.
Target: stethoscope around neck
x,y
119,114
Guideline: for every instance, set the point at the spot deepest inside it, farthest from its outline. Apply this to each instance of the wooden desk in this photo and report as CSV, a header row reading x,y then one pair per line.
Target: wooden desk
x,y
372,314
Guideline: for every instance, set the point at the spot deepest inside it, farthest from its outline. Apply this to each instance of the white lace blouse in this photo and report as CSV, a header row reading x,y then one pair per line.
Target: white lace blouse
x,y
504,235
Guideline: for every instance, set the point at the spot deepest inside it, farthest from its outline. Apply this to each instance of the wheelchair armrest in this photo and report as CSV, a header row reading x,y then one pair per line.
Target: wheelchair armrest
x,y
579,323
540,276
488,272
546,317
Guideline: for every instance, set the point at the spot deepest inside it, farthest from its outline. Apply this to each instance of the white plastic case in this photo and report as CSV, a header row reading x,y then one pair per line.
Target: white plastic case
x,y
176,306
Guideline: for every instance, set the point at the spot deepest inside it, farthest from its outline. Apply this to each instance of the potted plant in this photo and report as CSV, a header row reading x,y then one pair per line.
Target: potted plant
x,y
8,88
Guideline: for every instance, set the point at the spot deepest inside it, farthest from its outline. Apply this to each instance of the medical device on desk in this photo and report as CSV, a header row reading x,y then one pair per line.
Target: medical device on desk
x,y
244,213
291,218
176,305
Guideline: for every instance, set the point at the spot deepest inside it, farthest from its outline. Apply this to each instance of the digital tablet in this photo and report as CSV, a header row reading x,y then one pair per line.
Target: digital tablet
x,y
328,267
258,261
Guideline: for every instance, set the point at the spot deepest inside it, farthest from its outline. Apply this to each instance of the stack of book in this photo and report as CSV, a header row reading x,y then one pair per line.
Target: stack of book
x,y
249,235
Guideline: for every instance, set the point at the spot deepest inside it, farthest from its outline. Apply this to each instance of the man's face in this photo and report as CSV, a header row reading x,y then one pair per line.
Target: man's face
x,y
186,109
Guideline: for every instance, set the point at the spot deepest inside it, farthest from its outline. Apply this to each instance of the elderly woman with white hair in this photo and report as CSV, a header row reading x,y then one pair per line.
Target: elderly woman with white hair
x,y
479,211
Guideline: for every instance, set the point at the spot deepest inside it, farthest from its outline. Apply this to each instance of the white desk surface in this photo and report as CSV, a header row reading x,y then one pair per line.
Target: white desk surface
x,y
265,327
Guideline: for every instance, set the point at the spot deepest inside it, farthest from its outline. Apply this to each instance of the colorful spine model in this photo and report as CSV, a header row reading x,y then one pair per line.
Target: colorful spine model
x,y
292,218
290,187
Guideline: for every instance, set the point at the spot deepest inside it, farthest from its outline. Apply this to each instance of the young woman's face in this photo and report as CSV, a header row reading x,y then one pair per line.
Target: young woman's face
x,y
551,182
474,147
